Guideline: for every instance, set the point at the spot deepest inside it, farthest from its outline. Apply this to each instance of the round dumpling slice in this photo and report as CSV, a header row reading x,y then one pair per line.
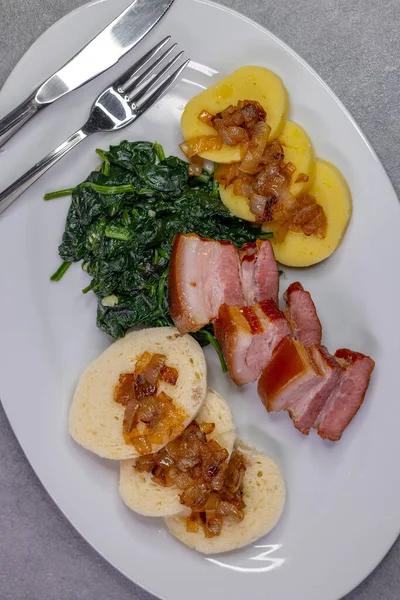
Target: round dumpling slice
x,y
332,192
96,420
264,495
246,83
145,496
299,151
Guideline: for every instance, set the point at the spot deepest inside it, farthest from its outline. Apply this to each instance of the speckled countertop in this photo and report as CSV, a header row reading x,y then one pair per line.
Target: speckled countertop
x,y
355,47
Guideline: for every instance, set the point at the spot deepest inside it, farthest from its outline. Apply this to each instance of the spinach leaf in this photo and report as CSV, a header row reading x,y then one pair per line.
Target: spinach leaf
x,y
130,154
168,177
121,224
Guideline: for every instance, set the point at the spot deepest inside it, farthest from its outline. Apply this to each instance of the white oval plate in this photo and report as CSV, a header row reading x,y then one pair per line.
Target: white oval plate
x,y
343,506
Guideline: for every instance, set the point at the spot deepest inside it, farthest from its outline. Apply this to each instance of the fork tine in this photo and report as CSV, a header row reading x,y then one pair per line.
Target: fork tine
x,y
164,87
135,82
122,81
135,97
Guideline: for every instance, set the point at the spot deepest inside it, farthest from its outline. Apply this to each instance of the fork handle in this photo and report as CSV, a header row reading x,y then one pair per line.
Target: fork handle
x,y
11,193
15,119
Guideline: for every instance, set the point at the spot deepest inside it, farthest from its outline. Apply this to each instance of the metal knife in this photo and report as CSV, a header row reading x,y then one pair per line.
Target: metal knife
x,y
101,53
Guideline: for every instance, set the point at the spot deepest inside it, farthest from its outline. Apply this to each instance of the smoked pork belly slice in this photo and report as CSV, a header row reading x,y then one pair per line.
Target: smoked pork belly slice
x,y
259,271
298,381
303,315
248,336
248,259
266,272
347,396
203,275
306,409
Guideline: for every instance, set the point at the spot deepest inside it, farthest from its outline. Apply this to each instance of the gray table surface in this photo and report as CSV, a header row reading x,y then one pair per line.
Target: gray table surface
x,y
355,46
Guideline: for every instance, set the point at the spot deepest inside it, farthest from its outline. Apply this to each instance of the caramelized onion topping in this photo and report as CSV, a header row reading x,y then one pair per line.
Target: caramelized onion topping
x,y
226,174
257,204
149,415
262,175
201,143
196,165
123,389
255,149
169,375
309,218
211,485
206,117
302,177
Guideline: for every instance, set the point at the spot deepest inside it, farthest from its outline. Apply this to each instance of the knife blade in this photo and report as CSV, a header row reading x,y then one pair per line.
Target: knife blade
x,y
101,53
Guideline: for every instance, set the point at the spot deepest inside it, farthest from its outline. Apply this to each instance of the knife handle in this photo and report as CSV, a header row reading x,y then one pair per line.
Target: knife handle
x,y
18,117
10,194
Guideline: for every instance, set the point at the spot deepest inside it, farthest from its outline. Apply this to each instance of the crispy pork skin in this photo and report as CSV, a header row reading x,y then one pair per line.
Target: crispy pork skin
x,y
348,394
248,336
203,275
288,376
298,380
303,315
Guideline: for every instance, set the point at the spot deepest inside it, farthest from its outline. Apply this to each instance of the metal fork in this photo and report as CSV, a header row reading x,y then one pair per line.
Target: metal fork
x,y
118,106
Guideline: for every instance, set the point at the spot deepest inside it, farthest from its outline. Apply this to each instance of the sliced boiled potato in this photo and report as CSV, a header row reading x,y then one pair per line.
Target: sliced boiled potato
x,y
333,194
95,419
147,497
299,151
246,83
237,205
264,495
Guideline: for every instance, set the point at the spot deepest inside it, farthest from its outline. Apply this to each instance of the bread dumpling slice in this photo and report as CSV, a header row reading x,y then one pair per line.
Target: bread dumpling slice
x,y
264,496
96,420
147,497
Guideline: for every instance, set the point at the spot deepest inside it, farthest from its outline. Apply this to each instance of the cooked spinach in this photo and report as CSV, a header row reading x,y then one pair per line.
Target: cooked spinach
x,y
121,224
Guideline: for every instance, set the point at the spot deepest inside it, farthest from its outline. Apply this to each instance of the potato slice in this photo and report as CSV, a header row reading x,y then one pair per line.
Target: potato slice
x,y
299,151
333,194
246,83
237,205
